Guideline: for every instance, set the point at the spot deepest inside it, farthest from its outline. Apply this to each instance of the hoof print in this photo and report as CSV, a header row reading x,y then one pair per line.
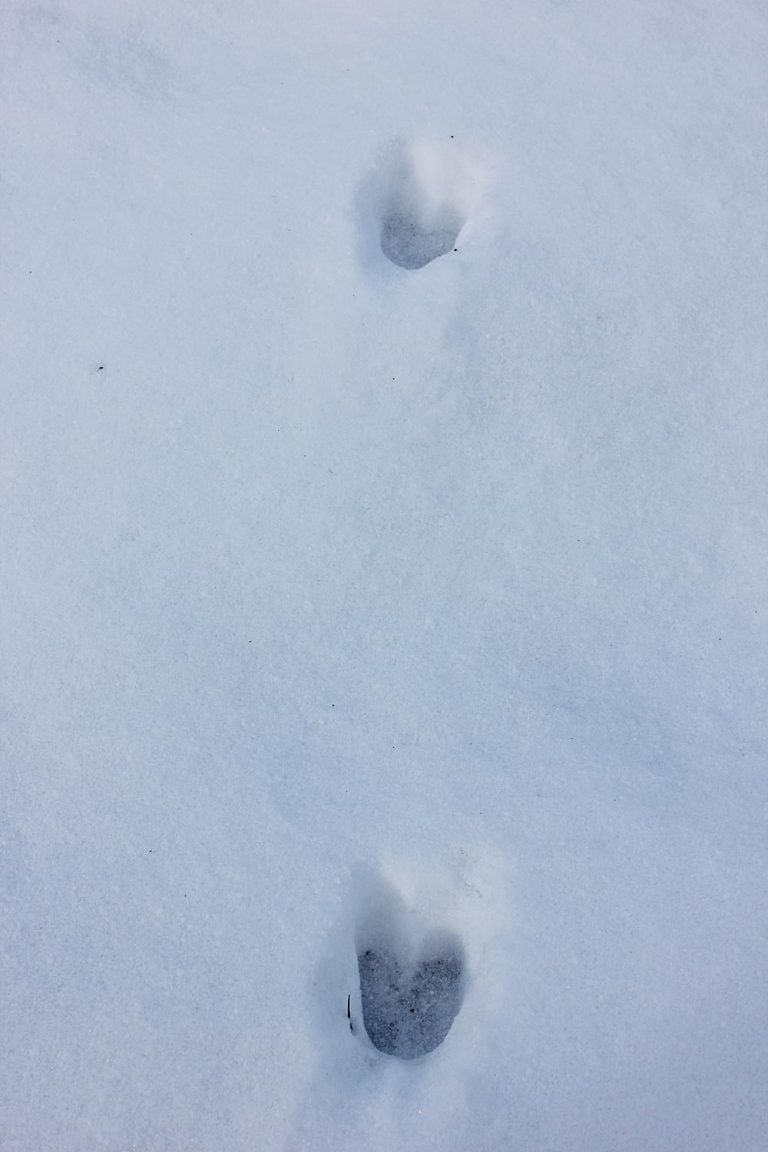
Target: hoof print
x,y
410,1002
411,241
425,209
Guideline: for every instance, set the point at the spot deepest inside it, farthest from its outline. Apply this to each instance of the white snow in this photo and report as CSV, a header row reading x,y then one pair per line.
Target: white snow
x,y
323,578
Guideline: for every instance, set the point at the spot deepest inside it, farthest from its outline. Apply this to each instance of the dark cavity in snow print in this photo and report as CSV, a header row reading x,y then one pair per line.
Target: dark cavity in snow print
x,y
408,1009
411,240
422,212
411,980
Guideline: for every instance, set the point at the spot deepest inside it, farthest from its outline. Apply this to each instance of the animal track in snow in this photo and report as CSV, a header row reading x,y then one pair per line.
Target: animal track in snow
x,y
430,194
411,240
408,1008
411,989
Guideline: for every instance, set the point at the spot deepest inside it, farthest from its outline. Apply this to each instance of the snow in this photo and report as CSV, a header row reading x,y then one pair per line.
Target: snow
x,y
346,601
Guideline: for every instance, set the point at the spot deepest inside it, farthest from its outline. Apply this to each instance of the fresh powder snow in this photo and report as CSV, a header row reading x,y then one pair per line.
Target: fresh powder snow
x,y
384,576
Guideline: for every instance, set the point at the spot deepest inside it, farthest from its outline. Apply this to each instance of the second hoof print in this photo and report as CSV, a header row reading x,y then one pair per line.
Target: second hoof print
x,y
426,206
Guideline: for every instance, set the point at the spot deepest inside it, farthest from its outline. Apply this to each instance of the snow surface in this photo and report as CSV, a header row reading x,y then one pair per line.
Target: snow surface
x,y
328,582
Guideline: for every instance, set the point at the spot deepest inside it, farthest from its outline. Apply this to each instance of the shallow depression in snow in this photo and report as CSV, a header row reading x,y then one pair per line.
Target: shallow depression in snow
x,y
426,206
408,1009
411,241
411,979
